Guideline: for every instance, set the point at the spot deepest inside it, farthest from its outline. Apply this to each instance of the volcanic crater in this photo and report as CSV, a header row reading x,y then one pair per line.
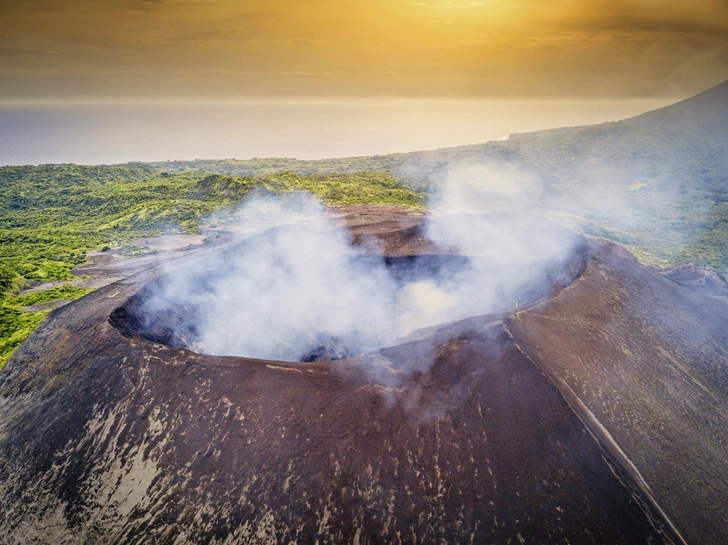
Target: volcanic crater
x,y
581,410
175,320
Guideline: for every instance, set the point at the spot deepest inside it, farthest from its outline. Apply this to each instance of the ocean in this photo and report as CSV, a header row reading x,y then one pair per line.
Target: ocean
x,y
109,133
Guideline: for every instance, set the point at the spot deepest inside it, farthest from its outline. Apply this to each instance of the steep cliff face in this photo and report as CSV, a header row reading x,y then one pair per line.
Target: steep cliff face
x,y
593,417
646,360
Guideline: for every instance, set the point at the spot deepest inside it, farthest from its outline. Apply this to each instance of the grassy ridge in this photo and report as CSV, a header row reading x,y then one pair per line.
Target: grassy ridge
x,y
16,324
661,191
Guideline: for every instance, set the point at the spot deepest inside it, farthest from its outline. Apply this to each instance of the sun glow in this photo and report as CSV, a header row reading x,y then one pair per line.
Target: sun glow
x,y
390,47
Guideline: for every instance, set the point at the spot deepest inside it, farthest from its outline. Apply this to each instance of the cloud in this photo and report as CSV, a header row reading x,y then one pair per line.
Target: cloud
x,y
519,50
202,35
56,6
303,42
672,26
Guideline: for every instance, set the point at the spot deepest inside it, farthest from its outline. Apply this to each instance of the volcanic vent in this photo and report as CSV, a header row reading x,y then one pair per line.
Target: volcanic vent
x,y
306,294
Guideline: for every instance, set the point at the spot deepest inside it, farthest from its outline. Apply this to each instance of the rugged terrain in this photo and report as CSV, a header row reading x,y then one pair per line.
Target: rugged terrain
x,y
596,415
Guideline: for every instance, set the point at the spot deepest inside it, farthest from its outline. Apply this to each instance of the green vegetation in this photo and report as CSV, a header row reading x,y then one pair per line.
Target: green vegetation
x,y
52,215
260,168
66,292
15,326
662,195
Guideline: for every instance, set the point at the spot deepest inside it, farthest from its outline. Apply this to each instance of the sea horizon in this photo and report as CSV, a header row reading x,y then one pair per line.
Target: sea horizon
x,y
108,132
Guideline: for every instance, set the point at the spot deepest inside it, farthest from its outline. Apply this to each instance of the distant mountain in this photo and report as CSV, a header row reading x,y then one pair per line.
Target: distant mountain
x,y
705,113
657,180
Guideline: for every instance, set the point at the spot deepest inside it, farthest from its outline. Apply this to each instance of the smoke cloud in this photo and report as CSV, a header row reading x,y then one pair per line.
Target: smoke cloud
x,y
300,291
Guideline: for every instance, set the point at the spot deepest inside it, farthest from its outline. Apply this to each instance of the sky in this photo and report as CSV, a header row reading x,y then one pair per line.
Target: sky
x,y
107,49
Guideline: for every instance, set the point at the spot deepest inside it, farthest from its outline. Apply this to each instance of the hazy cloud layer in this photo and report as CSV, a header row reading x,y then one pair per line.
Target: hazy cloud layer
x,y
495,48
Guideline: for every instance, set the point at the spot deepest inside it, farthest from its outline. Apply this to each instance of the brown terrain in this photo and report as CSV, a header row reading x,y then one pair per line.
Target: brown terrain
x,y
596,413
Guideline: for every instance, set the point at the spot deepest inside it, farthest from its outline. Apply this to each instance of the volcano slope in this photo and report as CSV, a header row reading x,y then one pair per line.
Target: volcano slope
x,y
596,415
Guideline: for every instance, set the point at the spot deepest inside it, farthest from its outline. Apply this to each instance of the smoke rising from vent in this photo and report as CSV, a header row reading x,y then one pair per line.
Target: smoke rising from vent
x,y
300,291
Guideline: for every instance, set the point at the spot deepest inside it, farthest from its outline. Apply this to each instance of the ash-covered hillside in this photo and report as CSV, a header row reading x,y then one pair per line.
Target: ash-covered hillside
x,y
592,414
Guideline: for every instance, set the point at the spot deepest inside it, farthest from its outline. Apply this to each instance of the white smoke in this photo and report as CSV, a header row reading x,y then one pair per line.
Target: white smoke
x,y
485,187
422,304
481,210
300,289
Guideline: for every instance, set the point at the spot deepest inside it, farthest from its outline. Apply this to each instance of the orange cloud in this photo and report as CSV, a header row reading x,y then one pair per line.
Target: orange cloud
x,y
498,47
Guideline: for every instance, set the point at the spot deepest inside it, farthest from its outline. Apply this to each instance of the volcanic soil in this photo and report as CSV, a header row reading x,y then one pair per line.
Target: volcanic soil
x,y
595,415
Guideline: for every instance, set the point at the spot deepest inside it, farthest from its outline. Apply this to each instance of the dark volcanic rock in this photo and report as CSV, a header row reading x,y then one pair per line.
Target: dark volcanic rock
x,y
644,361
699,279
162,443
328,349
482,431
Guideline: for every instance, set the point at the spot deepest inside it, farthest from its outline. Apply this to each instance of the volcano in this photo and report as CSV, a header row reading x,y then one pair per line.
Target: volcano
x,y
592,411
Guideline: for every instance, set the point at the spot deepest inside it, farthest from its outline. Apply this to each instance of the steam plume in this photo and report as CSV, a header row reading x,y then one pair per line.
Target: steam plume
x,y
301,291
